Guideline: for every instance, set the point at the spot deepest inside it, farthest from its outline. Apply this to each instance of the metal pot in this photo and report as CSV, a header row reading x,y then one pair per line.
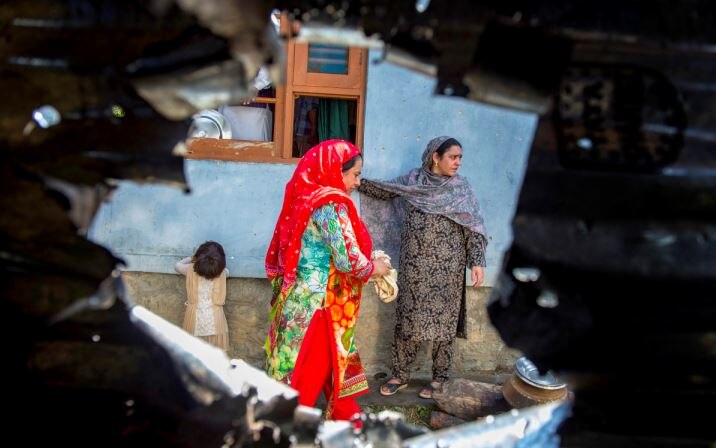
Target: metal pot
x,y
526,387
209,124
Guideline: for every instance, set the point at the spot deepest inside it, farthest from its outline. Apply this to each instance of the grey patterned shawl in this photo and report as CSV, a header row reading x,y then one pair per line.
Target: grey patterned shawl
x,y
451,197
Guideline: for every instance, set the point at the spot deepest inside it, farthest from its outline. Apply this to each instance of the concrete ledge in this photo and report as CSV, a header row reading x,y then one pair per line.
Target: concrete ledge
x,y
481,356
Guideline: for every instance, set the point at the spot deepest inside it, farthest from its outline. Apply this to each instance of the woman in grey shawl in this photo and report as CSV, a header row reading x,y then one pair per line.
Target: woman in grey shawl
x,y
440,232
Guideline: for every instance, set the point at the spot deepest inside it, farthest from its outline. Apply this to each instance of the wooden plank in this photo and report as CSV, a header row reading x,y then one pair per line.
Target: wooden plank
x,y
263,100
360,112
326,92
234,151
286,142
278,121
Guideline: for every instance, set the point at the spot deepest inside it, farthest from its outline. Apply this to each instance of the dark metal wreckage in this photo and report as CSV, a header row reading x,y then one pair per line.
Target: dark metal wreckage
x,y
608,279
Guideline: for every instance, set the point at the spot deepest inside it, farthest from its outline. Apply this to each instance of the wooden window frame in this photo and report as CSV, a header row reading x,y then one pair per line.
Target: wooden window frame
x,y
299,82
302,77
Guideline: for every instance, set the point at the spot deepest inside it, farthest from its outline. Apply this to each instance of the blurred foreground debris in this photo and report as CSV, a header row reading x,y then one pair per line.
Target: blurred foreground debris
x,y
614,235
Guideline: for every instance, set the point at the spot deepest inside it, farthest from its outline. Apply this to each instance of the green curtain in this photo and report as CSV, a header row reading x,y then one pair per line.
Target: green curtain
x,y
333,119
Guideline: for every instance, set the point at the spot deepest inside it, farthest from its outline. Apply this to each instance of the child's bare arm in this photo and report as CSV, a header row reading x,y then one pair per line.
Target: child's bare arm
x,y
182,265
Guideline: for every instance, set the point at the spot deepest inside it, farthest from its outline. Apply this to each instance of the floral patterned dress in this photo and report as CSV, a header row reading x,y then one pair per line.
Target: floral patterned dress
x,y
329,278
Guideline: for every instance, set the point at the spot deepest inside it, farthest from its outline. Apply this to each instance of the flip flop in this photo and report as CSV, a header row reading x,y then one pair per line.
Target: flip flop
x,y
388,389
427,391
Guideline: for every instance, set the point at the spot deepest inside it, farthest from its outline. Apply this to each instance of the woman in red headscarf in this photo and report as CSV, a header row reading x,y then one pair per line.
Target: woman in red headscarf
x,y
318,261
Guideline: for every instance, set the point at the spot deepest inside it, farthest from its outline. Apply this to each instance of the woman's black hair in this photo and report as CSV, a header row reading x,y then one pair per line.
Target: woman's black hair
x,y
351,162
209,260
445,145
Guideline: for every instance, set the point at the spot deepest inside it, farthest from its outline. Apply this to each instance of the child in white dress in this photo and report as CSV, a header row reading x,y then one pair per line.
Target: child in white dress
x,y
206,293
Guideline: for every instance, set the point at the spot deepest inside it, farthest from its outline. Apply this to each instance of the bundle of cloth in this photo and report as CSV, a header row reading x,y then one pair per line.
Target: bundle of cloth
x,y
385,286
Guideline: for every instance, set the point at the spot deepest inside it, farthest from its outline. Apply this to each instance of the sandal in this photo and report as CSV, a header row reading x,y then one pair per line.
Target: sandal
x,y
388,388
427,391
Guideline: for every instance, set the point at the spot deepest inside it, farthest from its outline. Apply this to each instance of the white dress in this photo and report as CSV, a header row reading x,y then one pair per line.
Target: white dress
x,y
204,309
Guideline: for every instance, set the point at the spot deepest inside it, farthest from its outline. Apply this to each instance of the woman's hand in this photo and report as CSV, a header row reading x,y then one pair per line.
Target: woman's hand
x,y
477,275
380,267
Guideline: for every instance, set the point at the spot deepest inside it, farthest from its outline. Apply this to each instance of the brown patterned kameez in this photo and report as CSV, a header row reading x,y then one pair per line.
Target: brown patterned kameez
x,y
434,253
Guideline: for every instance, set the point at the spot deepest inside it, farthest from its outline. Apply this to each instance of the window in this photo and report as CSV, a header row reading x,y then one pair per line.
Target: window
x,y
319,118
324,97
332,59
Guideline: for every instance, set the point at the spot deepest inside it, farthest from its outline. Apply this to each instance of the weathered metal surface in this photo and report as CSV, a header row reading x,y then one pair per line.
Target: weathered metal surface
x,y
531,427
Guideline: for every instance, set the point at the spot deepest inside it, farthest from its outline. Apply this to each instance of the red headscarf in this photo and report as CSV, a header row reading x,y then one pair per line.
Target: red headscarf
x,y
318,180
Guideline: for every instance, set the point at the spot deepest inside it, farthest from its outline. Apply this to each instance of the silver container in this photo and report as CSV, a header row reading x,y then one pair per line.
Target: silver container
x,y
528,372
209,124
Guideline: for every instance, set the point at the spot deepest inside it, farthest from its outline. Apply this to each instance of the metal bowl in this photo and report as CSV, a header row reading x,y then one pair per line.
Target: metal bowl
x,y
209,124
528,372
